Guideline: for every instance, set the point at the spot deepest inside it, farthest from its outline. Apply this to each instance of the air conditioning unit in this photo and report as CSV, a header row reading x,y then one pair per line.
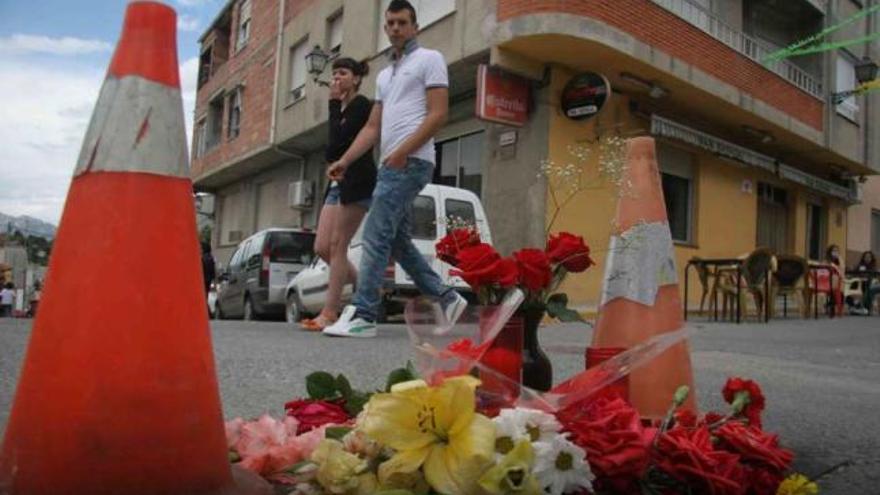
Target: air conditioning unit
x,y
301,194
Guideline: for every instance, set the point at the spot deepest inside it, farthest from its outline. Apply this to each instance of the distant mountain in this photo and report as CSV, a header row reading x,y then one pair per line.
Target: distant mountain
x,y
27,225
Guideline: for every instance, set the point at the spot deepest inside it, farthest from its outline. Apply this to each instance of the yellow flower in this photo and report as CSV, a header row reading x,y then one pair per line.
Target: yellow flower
x,y
413,482
797,484
435,427
513,473
339,472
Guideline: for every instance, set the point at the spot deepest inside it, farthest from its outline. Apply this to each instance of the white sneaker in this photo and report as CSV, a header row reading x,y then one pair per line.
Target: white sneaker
x,y
349,326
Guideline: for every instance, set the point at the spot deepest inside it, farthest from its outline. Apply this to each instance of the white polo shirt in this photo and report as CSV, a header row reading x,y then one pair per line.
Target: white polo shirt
x,y
402,90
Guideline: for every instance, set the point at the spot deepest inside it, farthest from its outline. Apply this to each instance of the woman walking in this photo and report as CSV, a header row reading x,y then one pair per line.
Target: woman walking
x,y
347,200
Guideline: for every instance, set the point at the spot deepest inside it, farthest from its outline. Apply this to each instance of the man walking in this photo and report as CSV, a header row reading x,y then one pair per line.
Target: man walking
x,y
411,106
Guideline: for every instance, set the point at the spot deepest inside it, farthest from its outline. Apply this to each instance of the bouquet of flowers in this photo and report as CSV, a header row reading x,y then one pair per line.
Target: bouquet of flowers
x,y
412,438
538,272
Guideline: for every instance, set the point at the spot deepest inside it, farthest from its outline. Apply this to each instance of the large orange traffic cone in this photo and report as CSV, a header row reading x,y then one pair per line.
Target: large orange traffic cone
x,y
640,296
118,392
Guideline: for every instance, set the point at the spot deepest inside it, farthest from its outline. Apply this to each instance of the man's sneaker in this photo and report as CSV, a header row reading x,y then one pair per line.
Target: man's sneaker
x,y
348,325
452,307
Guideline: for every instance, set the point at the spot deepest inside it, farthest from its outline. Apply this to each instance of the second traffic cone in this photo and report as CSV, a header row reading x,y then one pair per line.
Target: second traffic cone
x,y
640,296
118,392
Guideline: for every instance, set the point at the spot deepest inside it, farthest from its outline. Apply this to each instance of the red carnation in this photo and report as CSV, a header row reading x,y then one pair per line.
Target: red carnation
x,y
688,456
312,414
763,481
570,251
534,269
754,407
611,432
456,240
753,445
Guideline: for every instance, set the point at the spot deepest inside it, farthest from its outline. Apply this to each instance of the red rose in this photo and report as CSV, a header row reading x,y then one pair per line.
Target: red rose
x,y
752,410
534,269
570,251
480,265
763,481
448,247
611,432
753,445
312,414
688,456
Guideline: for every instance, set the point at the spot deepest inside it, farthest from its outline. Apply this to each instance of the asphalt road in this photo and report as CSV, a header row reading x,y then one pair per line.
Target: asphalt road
x,y
821,378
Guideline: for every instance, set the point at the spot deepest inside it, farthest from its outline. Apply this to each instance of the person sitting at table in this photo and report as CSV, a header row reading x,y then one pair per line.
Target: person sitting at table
x,y
823,282
868,263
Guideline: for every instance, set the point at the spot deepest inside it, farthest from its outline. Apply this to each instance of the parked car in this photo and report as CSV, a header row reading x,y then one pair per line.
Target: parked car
x,y
433,209
254,283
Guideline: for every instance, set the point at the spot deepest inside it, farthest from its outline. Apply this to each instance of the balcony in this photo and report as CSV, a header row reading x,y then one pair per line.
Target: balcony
x,y
750,47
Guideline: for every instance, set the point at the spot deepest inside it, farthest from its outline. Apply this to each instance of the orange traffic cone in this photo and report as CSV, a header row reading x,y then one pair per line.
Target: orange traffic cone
x,y
640,296
118,392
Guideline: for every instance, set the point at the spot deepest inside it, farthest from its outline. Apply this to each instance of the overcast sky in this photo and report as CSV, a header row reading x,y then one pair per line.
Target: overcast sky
x,y
53,57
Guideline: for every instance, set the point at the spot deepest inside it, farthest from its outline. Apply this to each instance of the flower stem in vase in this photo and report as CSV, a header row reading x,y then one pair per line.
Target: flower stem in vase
x,y
537,372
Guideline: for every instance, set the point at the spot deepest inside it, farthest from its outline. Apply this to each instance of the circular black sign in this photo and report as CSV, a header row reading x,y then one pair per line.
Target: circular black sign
x,y
585,95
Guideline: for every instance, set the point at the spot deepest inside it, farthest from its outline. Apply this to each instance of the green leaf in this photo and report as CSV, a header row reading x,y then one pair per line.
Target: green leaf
x,y
557,307
299,465
233,456
343,385
336,432
399,375
355,403
411,368
321,385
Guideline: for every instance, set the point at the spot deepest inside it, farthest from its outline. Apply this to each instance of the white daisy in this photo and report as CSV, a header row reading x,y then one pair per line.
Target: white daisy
x,y
537,425
561,466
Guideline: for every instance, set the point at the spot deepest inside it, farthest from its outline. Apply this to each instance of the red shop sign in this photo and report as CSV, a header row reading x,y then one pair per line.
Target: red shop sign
x,y
501,97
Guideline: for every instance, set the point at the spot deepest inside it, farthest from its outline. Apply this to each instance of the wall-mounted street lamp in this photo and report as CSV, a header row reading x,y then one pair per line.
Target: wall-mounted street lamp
x,y
866,71
316,62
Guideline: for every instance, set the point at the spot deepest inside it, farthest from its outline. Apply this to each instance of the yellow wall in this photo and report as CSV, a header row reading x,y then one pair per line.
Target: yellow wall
x,y
725,216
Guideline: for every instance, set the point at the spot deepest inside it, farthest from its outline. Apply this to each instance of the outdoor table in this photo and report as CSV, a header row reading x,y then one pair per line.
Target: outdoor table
x,y
717,265
815,268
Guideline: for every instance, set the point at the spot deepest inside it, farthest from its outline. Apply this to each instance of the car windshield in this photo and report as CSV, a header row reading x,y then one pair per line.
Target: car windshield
x,y
291,247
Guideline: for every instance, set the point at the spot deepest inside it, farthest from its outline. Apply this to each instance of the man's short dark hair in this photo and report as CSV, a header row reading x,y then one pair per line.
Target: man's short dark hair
x,y
398,5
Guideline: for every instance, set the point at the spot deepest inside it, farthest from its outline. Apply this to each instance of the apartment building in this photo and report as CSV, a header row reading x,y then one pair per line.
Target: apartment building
x,y
751,154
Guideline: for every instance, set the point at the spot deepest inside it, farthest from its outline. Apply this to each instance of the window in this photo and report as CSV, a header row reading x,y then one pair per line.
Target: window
x,y
772,218
298,70
677,176
334,35
424,218
214,123
845,81
460,162
816,231
201,137
234,127
205,66
461,212
291,247
427,12
244,24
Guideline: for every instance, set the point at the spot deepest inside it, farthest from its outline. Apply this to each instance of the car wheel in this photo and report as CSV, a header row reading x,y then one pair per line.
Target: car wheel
x,y
249,314
294,312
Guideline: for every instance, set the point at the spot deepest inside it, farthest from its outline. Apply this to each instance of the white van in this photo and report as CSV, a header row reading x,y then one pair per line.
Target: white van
x,y
433,209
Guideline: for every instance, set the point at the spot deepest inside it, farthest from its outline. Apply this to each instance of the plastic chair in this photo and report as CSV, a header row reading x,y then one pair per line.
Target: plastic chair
x,y
754,271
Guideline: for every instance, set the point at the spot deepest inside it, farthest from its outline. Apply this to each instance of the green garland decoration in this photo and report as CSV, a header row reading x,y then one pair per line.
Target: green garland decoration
x,y
802,47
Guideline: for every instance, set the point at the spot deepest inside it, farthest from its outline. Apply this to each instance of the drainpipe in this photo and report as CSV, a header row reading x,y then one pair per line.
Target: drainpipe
x,y
278,42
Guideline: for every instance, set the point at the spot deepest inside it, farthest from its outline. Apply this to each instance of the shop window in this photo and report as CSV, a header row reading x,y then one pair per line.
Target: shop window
x,y
772,218
677,176
234,127
875,231
460,162
817,217
427,13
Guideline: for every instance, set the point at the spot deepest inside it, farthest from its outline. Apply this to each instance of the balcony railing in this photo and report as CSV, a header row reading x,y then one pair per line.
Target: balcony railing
x,y
750,47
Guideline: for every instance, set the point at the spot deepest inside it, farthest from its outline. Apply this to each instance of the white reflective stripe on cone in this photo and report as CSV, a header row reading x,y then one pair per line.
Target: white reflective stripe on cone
x,y
639,262
137,126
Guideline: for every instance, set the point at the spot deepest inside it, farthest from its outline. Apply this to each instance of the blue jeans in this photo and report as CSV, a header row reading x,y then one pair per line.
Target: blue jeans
x,y
333,198
387,233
